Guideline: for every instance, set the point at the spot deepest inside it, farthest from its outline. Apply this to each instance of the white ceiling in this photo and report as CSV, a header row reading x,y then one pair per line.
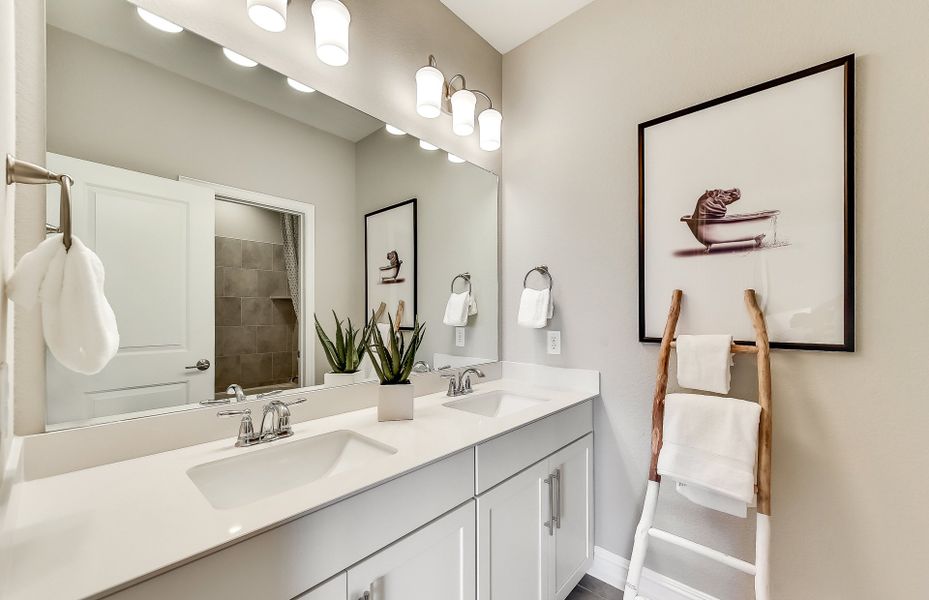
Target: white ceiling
x,y
508,23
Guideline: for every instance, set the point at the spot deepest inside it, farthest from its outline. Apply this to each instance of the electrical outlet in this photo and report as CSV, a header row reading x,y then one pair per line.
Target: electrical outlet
x,y
553,346
460,337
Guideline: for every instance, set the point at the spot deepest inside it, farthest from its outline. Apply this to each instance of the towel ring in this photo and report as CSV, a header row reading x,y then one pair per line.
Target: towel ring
x,y
466,276
543,270
20,171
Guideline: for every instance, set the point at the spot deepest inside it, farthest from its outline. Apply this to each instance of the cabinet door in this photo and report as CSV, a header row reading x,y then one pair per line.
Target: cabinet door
x,y
436,561
572,550
334,589
513,541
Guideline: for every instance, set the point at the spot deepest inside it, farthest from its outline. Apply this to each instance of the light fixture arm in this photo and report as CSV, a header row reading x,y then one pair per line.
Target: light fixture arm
x,y
486,97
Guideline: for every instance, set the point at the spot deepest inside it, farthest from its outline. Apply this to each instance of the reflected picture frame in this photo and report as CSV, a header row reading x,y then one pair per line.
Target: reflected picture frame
x,y
391,260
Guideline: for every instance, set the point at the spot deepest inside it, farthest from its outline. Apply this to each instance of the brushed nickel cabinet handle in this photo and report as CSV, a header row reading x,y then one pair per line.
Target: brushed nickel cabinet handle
x,y
556,494
550,524
202,365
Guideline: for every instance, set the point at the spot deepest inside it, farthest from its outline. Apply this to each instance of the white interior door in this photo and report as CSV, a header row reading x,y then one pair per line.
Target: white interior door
x,y
435,562
155,239
513,541
573,549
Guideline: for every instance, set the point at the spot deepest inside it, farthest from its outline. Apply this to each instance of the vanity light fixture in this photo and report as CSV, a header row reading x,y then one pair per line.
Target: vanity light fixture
x,y
330,21
300,87
455,159
270,15
394,130
427,146
435,95
157,22
242,61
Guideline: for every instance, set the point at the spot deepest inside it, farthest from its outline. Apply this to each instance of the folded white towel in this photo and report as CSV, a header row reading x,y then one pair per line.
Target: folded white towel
x,y
703,362
472,305
78,323
535,308
710,445
456,310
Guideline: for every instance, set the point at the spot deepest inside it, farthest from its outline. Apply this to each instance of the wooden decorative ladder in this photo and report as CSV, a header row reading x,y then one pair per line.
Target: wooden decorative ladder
x,y
645,530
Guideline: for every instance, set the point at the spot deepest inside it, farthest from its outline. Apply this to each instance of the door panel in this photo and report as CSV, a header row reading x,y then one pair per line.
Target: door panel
x,y
155,239
513,542
435,562
573,542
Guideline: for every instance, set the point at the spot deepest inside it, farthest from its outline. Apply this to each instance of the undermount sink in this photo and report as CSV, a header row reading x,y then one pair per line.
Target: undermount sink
x,y
494,404
283,466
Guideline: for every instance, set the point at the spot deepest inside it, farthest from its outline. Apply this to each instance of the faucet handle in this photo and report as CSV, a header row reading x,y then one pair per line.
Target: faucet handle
x,y
297,401
266,394
246,435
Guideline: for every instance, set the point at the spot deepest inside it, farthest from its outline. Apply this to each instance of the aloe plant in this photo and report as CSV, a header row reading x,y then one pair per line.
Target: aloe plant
x,y
393,358
345,354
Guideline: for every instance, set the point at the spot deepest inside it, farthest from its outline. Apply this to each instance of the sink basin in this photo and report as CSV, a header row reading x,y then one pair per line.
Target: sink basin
x,y
283,466
494,404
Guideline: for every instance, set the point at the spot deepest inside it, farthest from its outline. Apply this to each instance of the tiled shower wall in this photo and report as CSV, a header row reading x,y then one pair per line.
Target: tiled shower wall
x,y
256,327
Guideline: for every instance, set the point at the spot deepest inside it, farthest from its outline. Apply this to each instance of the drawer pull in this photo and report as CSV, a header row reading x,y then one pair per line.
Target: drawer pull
x,y
550,482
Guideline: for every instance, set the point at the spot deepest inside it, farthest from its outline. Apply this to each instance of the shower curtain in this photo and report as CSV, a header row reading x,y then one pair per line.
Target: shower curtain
x,y
290,231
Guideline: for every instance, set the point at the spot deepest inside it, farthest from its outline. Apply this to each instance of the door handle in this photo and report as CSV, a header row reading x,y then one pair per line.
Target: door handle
x,y
202,365
550,524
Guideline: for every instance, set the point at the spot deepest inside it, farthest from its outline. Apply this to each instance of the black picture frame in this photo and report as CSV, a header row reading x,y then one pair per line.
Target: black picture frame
x,y
412,309
848,64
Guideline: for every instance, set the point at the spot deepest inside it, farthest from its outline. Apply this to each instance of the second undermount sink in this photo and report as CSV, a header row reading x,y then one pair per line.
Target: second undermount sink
x,y
283,466
494,404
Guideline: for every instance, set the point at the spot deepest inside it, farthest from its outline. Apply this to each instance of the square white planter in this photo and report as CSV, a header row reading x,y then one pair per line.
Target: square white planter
x,y
395,402
337,379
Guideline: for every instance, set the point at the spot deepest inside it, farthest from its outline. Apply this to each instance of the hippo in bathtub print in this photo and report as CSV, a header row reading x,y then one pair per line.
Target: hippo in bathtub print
x,y
716,229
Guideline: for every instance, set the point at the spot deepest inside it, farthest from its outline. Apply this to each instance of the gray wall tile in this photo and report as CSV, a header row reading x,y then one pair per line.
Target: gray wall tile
x,y
282,312
228,252
257,255
273,338
272,283
228,311
256,369
277,264
257,311
235,340
241,282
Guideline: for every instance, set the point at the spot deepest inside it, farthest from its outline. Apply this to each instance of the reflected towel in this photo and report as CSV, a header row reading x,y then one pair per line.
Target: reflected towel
x,y
78,323
535,308
703,362
456,310
710,445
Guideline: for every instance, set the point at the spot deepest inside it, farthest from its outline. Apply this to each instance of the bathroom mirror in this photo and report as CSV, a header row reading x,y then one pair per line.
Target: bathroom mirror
x,y
229,205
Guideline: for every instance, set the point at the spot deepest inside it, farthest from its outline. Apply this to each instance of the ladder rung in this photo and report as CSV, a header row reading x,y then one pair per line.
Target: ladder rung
x,y
735,563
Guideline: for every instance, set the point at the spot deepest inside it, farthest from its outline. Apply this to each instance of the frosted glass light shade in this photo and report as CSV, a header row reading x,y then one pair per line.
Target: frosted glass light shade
x,y
330,21
157,22
270,15
300,87
429,84
242,61
463,103
490,122
455,159
427,146
394,130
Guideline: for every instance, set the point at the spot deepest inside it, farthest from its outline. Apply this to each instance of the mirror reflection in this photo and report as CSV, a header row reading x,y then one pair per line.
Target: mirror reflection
x,y
229,205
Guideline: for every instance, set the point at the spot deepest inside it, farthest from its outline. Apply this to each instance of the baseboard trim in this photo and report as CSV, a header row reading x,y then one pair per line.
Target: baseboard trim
x,y
612,569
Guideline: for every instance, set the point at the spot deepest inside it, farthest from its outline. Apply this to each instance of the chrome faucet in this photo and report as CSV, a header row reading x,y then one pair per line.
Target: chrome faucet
x,y
279,427
236,389
421,366
460,384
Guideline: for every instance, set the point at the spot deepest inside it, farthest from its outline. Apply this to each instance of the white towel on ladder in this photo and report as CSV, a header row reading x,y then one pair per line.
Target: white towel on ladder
x,y
704,361
710,445
78,323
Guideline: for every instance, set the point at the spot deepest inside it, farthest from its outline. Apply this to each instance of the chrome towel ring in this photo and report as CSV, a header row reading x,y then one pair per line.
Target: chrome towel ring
x,y
542,270
466,276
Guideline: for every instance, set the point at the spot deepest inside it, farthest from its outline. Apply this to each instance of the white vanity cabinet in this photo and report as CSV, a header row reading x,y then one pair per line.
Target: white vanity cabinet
x,y
435,562
334,589
535,530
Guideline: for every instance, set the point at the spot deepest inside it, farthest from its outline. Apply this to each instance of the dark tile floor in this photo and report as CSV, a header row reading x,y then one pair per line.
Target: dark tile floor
x,y
591,588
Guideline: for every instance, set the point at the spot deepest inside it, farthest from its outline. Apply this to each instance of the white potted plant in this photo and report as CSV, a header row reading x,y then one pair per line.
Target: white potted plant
x,y
393,361
345,354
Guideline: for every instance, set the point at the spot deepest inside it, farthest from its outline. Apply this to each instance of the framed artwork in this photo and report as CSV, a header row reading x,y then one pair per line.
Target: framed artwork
x,y
390,261
753,190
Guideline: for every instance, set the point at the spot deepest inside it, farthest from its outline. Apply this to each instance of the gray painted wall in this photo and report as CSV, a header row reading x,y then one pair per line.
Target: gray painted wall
x,y
457,231
849,436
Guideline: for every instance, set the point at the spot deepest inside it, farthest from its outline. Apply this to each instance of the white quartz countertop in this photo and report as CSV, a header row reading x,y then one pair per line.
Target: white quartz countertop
x,y
85,533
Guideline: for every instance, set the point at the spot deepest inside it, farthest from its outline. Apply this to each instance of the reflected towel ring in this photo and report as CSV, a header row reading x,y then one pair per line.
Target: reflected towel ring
x,y
543,270
466,276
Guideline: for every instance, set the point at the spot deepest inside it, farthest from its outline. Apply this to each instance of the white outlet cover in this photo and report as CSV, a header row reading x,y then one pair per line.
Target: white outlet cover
x,y
460,337
553,342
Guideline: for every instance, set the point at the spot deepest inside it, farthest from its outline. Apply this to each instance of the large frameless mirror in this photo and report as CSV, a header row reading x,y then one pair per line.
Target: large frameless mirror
x,y
230,204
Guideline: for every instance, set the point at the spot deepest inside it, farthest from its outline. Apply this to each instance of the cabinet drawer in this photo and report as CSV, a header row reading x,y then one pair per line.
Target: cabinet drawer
x,y
284,562
501,457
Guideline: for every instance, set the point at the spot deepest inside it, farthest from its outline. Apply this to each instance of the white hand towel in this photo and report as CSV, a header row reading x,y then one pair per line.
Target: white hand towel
x,y
472,306
535,308
710,445
703,362
78,323
456,310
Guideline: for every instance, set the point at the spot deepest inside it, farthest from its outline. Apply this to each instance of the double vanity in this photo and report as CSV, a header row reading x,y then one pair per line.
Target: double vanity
x,y
486,495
